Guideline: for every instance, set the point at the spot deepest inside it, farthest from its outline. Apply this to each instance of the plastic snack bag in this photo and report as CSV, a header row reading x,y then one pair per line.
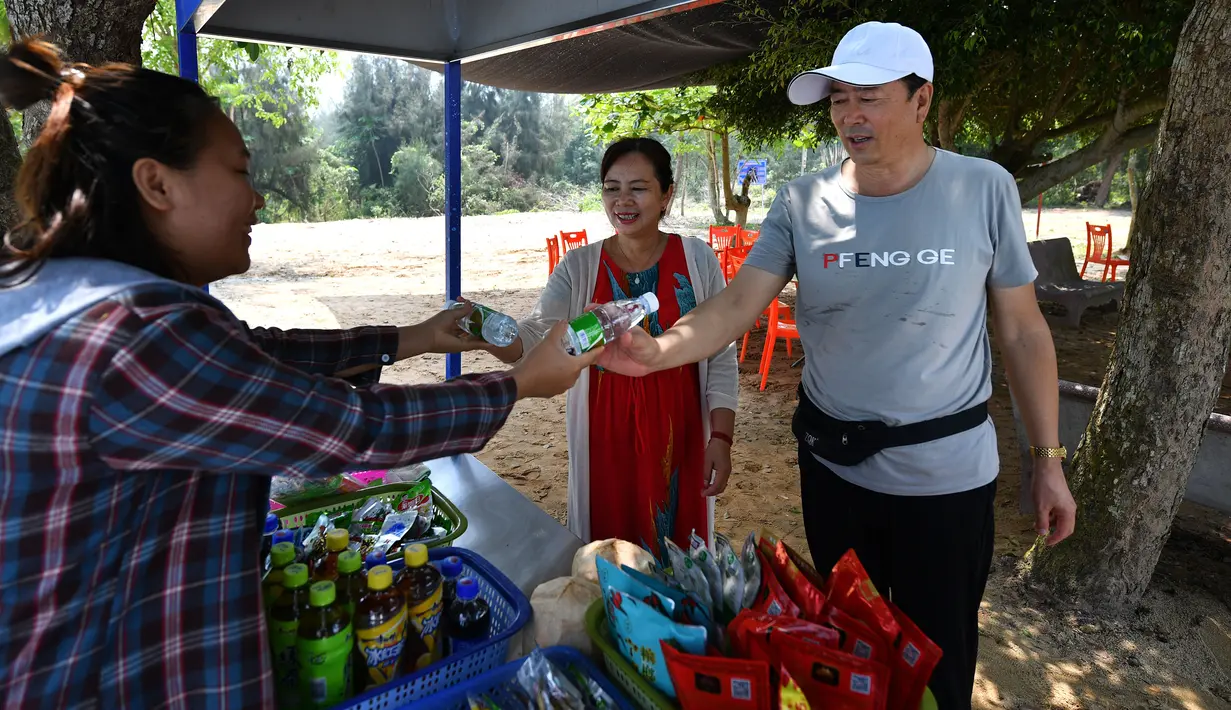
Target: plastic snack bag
x,y
688,606
856,637
314,540
915,657
547,686
750,626
835,680
639,630
612,577
752,570
715,683
290,490
807,595
393,532
707,562
369,517
851,590
732,576
481,702
689,576
803,565
595,697
773,599
790,696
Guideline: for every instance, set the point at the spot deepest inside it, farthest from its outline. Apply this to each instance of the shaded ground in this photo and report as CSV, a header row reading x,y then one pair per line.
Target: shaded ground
x,y
391,271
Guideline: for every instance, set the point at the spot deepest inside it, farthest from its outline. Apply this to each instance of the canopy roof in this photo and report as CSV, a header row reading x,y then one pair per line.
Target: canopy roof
x,y
560,46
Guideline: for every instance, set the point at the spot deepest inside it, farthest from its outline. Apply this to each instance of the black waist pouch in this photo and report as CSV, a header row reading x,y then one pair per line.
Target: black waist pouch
x,y
848,443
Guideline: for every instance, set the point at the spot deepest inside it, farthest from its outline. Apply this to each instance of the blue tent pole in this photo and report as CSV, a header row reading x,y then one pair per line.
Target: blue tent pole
x,y
186,46
453,196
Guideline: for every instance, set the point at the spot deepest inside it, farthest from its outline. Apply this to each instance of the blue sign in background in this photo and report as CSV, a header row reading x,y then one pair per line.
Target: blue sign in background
x,y
759,166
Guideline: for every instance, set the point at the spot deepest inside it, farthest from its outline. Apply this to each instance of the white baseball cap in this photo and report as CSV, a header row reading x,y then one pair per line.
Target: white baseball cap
x,y
871,54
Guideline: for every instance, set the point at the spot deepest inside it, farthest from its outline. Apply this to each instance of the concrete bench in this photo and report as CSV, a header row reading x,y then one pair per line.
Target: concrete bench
x,y
1209,483
1058,281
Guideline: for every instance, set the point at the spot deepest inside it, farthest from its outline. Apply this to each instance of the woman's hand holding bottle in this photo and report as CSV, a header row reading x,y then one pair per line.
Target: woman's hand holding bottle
x,y
547,370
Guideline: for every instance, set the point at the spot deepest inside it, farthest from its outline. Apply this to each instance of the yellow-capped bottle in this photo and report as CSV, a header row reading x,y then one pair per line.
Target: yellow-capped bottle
x,y
380,630
420,584
283,619
325,568
281,555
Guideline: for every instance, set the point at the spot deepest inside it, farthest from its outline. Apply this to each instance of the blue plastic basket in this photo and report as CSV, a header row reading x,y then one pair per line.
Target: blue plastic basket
x,y
495,684
510,611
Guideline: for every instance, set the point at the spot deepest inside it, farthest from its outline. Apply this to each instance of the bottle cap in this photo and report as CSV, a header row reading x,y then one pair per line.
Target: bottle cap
x,y
380,578
451,566
284,536
322,594
281,554
337,539
374,559
295,575
467,589
349,562
271,523
651,302
415,555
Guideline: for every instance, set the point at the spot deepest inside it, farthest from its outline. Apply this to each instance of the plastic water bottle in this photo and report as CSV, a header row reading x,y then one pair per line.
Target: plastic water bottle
x,y
492,326
607,322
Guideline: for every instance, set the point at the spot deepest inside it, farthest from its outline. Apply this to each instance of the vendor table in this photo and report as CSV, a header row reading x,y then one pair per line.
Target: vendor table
x,y
503,526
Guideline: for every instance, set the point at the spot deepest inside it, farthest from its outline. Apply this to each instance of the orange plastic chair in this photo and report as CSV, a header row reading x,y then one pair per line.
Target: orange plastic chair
x,y
782,326
749,237
732,258
1099,250
553,254
722,237
572,240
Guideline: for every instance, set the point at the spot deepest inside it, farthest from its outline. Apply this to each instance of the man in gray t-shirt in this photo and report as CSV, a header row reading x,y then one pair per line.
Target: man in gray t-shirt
x,y
902,253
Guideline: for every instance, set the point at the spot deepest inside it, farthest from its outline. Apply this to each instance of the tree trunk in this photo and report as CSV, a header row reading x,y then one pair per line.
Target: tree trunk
x,y
90,31
1133,200
679,171
712,182
728,196
950,115
1170,354
10,163
1109,173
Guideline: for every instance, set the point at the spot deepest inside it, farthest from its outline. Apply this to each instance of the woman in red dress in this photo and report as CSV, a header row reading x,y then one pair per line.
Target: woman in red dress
x,y
646,455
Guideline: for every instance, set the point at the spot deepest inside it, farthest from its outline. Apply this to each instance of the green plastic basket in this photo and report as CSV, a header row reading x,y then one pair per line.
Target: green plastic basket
x,y
306,513
646,696
630,681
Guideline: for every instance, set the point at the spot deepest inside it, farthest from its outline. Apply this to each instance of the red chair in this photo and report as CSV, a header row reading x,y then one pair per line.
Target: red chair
x,y
572,240
749,237
1099,250
781,325
723,237
731,259
553,254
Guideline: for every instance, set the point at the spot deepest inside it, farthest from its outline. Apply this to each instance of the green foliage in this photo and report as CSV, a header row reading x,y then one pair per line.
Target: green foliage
x,y
415,172
641,113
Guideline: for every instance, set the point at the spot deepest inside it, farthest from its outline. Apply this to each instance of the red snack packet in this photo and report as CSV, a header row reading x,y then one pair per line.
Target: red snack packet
x,y
803,592
790,696
805,567
835,680
851,590
856,637
748,625
772,599
915,657
705,683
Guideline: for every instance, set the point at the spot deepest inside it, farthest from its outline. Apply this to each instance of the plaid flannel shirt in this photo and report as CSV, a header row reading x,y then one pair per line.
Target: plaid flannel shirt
x,y
137,444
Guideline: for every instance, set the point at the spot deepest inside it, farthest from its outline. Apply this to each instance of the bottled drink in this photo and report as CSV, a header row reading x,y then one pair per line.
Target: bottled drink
x,y
267,541
352,580
374,559
325,567
421,584
450,570
470,619
281,556
323,647
607,322
380,630
283,617
289,536
490,325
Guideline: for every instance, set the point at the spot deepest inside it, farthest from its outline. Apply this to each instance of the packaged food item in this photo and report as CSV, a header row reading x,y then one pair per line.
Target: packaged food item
x,y
418,500
283,618
710,683
689,576
773,599
323,647
352,581
612,577
325,567
835,680
380,628
752,570
281,555
803,565
393,532
774,630
790,696
595,697
707,562
638,631
469,619
291,490
804,593
856,637
481,702
314,540
559,617
422,586
617,552
547,687
915,657
689,609
851,590
369,517
732,576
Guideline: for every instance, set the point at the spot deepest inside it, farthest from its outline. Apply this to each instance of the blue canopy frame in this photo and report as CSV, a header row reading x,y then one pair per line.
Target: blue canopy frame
x,y
446,32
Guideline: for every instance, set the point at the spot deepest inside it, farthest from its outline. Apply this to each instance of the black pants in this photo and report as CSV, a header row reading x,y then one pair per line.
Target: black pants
x,y
930,555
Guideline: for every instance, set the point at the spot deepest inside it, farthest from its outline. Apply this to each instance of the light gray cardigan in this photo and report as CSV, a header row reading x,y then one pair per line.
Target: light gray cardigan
x,y
566,295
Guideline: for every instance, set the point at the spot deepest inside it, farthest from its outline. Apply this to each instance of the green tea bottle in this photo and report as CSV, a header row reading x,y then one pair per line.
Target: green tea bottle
x,y
284,614
324,648
281,556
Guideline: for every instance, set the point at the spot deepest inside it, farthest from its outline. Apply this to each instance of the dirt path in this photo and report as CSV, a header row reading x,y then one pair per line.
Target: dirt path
x,y
391,272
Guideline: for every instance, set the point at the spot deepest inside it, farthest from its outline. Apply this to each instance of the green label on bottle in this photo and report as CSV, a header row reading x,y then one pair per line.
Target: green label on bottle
x,y
587,332
325,668
282,637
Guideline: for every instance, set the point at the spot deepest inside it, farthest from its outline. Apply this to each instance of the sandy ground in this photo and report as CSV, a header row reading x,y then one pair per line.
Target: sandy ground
x,y
1166,654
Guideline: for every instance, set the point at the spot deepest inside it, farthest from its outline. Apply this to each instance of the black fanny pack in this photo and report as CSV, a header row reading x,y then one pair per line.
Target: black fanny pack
x,y
848,443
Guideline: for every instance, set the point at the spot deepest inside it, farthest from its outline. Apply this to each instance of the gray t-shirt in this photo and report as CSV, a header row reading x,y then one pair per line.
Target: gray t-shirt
x,y
892,308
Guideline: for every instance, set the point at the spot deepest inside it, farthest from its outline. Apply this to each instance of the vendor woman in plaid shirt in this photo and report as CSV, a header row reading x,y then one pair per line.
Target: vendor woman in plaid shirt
x,y
142,420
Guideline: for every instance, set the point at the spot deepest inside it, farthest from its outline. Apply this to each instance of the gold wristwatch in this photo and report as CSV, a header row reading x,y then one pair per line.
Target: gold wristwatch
x,y
1049,452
